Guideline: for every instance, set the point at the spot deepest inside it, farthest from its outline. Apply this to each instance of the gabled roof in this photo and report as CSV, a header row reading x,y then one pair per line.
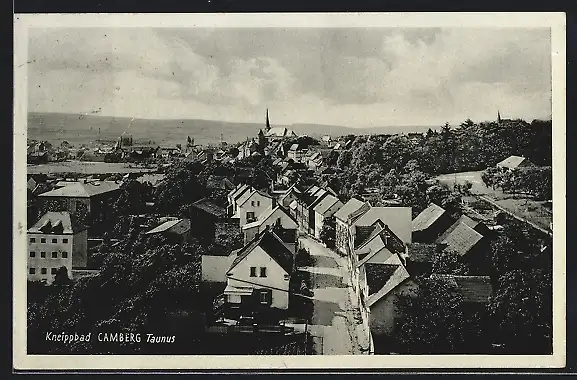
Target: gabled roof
x,y
348,208
178,226
463,219
267,214
427,217
244,196
369,234
294,147
392,257
462,239
243,200
219,182
238,188
378,275
397,218
475,289
209,207
512,162
83,190
56,223
326,204
272,245
395,279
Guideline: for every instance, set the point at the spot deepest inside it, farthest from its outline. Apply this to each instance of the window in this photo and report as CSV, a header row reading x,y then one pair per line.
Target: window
x,y
32,271
252,203
32,240
43,240
53,270
258,203
64,255
249,215
54,240
54,255
32,254
263,271
264,296
43,271
65,241
43,255
252,271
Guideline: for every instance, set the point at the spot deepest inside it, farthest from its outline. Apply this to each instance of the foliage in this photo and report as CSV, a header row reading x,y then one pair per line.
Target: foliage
x,y
447,262
328,232
433,319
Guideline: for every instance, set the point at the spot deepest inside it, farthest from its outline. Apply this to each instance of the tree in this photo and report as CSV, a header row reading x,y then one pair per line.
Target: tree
x,y
328,232
447,262
523,308
432,320
61,277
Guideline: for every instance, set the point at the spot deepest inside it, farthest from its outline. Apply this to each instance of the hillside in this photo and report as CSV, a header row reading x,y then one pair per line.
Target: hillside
x,y
77,129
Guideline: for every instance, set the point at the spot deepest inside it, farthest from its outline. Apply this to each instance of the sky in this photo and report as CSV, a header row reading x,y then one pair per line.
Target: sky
x,y
355,77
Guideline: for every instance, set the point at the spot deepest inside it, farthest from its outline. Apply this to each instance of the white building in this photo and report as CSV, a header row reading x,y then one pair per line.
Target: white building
x,y
55,242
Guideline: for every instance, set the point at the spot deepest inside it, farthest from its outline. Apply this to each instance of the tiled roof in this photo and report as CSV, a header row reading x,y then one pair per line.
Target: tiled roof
x,y
266,214
511,162
219,182
475,289
209,207
272,245
461,239
422,252
427,217
324,205
348,208
398,276
397,218
464,219
56,223
178,226
378,275
83,190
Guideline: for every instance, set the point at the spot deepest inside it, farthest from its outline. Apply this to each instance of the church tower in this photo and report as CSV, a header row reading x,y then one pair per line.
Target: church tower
x,y
261,141
498,117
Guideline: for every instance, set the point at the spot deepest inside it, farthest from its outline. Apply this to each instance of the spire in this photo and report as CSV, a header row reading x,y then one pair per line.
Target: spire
x,y
498,117
267,121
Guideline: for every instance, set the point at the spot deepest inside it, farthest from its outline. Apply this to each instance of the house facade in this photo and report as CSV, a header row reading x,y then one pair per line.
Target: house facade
x,y
342,221
277,216
55,241
259,275
325,209
253,205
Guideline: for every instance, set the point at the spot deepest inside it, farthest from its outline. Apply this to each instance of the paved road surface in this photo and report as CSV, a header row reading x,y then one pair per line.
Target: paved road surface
x,y
332,320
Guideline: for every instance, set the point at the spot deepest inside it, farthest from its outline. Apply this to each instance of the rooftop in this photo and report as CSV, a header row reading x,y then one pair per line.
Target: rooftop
x,y
427,217
462,239
56,223
378,275
512,162
209,207
83,190
272,245
325,205
475,289
174,225
398,219
348,208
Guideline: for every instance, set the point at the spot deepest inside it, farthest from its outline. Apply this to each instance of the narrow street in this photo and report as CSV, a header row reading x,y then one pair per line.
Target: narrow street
x,y
333,323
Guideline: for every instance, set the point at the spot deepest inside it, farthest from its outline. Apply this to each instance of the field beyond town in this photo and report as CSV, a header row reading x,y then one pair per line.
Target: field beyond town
x,y
520,205
86,167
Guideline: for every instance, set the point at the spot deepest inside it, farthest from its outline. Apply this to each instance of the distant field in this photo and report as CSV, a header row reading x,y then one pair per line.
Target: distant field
x,y
85,168
84,129
520,205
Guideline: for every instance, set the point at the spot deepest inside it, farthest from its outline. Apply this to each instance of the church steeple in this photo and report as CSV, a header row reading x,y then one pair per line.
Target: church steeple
x,y
267,121
498,117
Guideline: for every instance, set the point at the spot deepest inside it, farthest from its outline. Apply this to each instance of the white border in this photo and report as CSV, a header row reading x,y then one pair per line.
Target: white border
x,y
555,21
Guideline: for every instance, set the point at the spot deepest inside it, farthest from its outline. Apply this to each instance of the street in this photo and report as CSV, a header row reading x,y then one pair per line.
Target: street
x,y
333,323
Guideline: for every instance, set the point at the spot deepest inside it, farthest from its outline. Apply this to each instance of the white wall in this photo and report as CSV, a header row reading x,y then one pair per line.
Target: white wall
x,y
320,219
275,277
258,208
214,268
48,262
382,313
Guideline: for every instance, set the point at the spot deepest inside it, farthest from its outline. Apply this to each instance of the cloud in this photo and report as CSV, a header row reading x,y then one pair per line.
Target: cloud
x,y
356,76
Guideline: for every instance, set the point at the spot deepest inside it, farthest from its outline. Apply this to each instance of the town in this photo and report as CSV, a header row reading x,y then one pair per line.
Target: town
x,y
287,244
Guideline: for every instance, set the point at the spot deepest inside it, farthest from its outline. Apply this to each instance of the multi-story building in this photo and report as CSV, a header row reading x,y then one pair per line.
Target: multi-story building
x,y
55,241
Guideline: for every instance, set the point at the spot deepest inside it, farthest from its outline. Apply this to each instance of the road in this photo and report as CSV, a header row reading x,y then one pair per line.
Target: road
x,y
333,322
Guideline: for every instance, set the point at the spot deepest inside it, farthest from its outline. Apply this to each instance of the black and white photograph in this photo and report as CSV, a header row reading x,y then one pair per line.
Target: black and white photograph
x,y
214,189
